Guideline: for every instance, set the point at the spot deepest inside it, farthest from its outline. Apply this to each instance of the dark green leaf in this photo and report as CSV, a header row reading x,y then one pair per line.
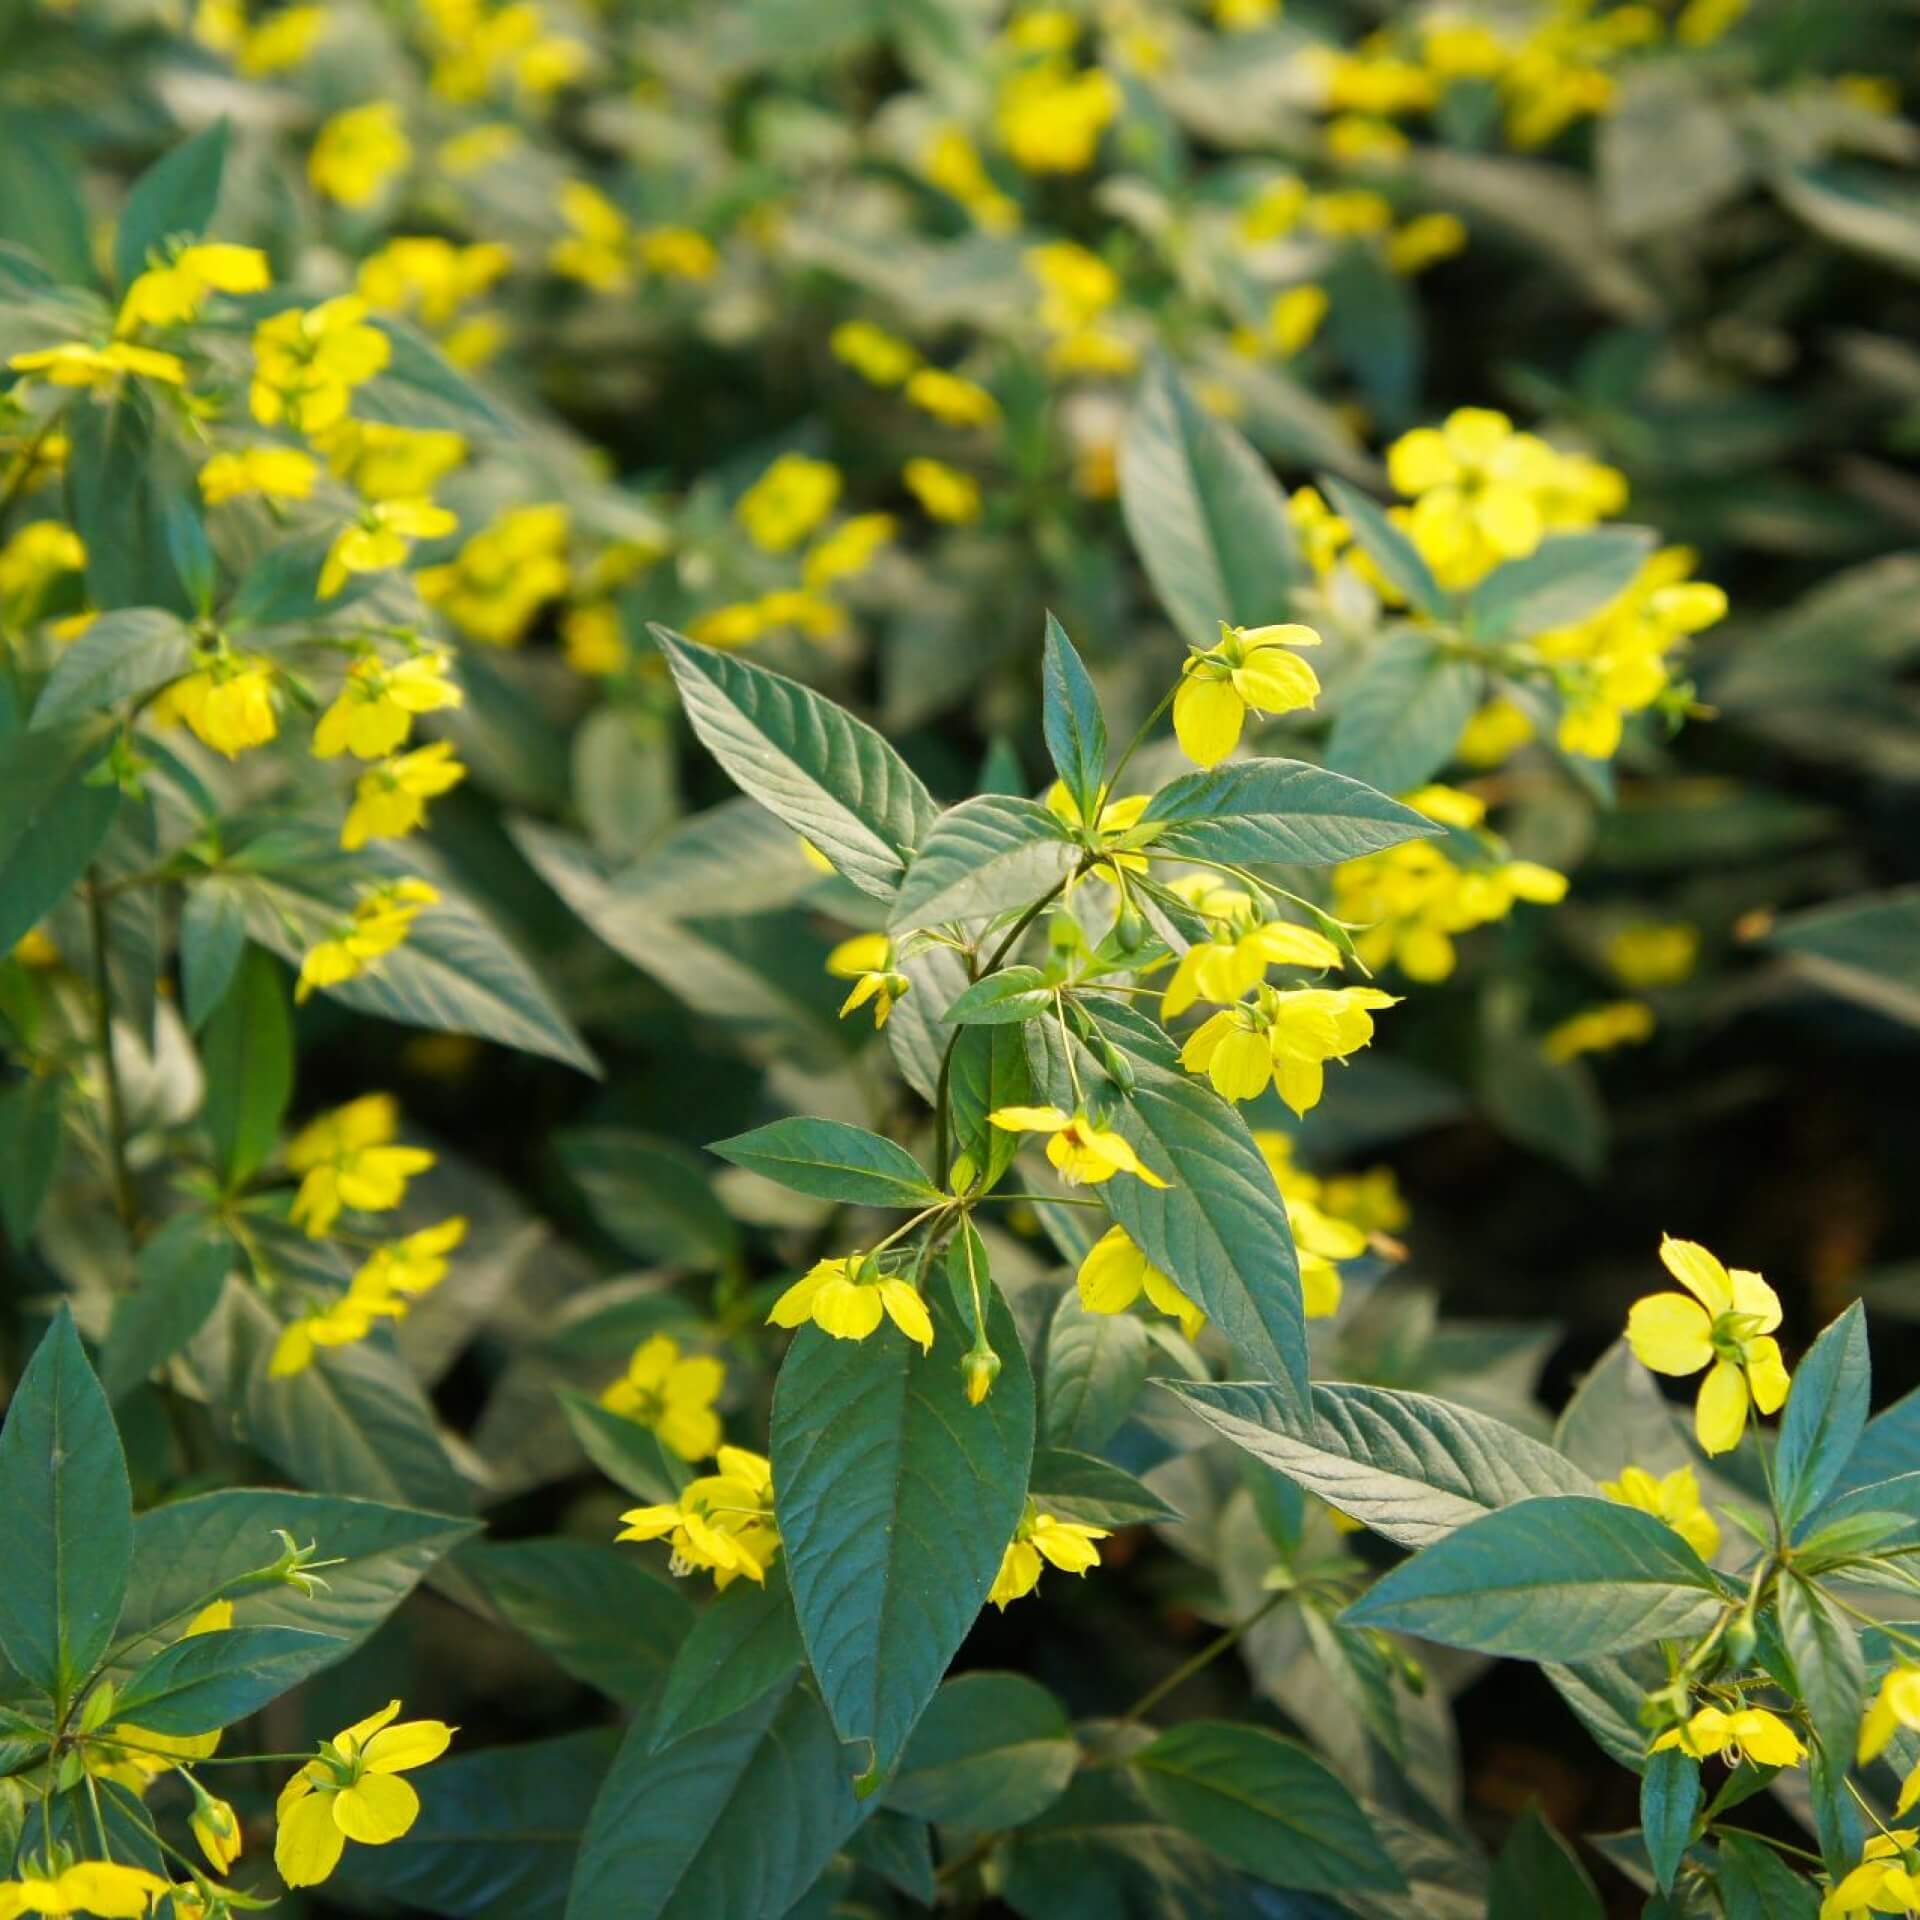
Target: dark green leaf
x,y
1824,1648
178,1280
1096,1366
989,1071
992,1750
745,1642
626,1452
1756,1884
41,206
1076,1486
213,936
1866,949
1279,811
650,1194
1669,1799
1389,549
121,656
1075,728
1400,717
173,200
30,1138
121,475
247,1050
985,857
832,1161
1538,1874
211,1679
1568,578
1825,1416
51,821
900,1850
1005,998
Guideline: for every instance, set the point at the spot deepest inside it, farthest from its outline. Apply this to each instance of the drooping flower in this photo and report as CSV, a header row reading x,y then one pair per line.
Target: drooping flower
x,y
348,1159
227,703
867,960
1602,1029
353,1791
279,473
101,1887
1115,1273
383,1288
1082,1154
76,363
1887,1880
170,295
374,710
945,492
1250,670
1752,1732
1283,1039
788,501
357,152
382,537
873,353
378,924
952,399
722,1522
1040,1541
390,798
847,1298
672,1394
502,576
1674,1498
1896,1705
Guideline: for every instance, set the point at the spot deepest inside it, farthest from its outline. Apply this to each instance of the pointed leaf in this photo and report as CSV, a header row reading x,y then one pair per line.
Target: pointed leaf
x,y
833,1161
1669,1800
983,858
1279,811
174,199
1826,1414
744,1643
991,1751
1075,728
1398,559
211,1679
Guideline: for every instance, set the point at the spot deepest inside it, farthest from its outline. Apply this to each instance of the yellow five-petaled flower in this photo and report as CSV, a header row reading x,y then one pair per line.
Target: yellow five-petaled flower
x,y
1249,670
847,1298
352,1791
1082,1154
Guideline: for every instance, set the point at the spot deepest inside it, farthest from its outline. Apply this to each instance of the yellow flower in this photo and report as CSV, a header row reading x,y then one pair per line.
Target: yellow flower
x,y
945,492
599,251
1749,1732
382,537
1477,488
1675,1498
1499,730
478,148
35,558
378,924
678,252
228,703
1321,1242
873,353
1041,1541
1283,1039
672,1395
429,277
217,1828
281,41
101,1887
171,295
373,712
347,1159
35,948
848,550
1887,1880
1250,669
1077,285
357,152
281,473
389,463
390,800
307,361
1115,1273
867,960
1049,117
593,638
353,1791
1620,1023
952,400
1726,1326
1083,1154
1116,816
736,625
74,363
1294,318
1275,209
384,1287
1424,242
503,575
952,163
722,1522
1358,140
788,501
846,1298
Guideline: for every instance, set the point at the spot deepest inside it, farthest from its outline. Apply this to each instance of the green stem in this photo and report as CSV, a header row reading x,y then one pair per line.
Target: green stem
x,y
1133,746
123,1195
1785,1846
1207,1655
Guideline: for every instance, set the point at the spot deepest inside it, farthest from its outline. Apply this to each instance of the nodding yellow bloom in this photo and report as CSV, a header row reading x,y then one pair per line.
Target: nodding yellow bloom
x,y
1620,1023
75,363
1234,961
848,550
1293,319
1425,242
1477,488
228,703
1243,16
280,473
1115,1273
373,712
347,1159
1321,1242
280,41
390,799
382,537
1725,1326
1049,117
353,1791
672,1394
678,252
1749,1732
1498,731
35,948
1041,1541
1077,285
1359,140
102,1887
308,360
1250,669
1887,1880
873,353
945,492
1083,1154
952,399
1283,1040
722,1522
952,163
217,1828
171,295
357,152
1674,1498
503,575
1275,209
599,252
35,558
430,278
1895,1705
390,463
384,1287
788,501
594,640
867,960
380,922
847,1298
1116,816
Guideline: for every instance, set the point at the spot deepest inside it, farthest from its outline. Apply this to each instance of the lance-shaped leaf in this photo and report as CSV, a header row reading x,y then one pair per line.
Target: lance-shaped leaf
x,y
1828,1664
1825,1416
180,1273
1400,715
1412,1467
1669,1799
1004,998
826,774
1280,811
211,1679
985,857
173,200
896,1502
1557,1578
51,820
1077,1486
992,1751
66,1518
746,1642
1076,729
1398,559
121,656
832,1161
1565,579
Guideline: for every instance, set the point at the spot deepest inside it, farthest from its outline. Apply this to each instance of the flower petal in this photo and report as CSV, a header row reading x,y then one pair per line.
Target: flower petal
x,y
1699,1272
1670,1333
308,1845
377,1808
1720,1415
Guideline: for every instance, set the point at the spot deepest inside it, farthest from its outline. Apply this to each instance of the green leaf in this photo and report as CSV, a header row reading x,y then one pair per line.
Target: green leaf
x,y
737,1819
1561,1577
590,1608
1538,1874
744,1643
1865,949
1204,513
1824,1648
896,1501
1669,1799
991,1751
209,1543
213,936
1873,211
211,1679
1279,811
173,200
247,1050
1266,1805
42,208
1398,559
66,1518
52,821
1756,1884
1413,1468
496,1835
650,1194
983,858
121,656
1076,1486
1005,998
1096,1366
1825,1416
626,1452
1076,730
1400,716
1567,578
832,1161
826,774
30,1142
178,1279
989,1071
900,1850
121,477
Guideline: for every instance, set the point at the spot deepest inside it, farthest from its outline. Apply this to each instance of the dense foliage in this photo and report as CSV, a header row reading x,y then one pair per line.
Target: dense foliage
x,y
868,868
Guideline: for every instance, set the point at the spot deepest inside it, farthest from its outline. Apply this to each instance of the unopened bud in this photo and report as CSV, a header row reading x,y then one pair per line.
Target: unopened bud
x,y
1130,931
1119,1069
1740,1640
981,1368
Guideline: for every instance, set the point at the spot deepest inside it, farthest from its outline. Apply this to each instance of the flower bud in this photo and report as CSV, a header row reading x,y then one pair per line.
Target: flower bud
x,y
1130,931
217,1829
1740,1640
981,1368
